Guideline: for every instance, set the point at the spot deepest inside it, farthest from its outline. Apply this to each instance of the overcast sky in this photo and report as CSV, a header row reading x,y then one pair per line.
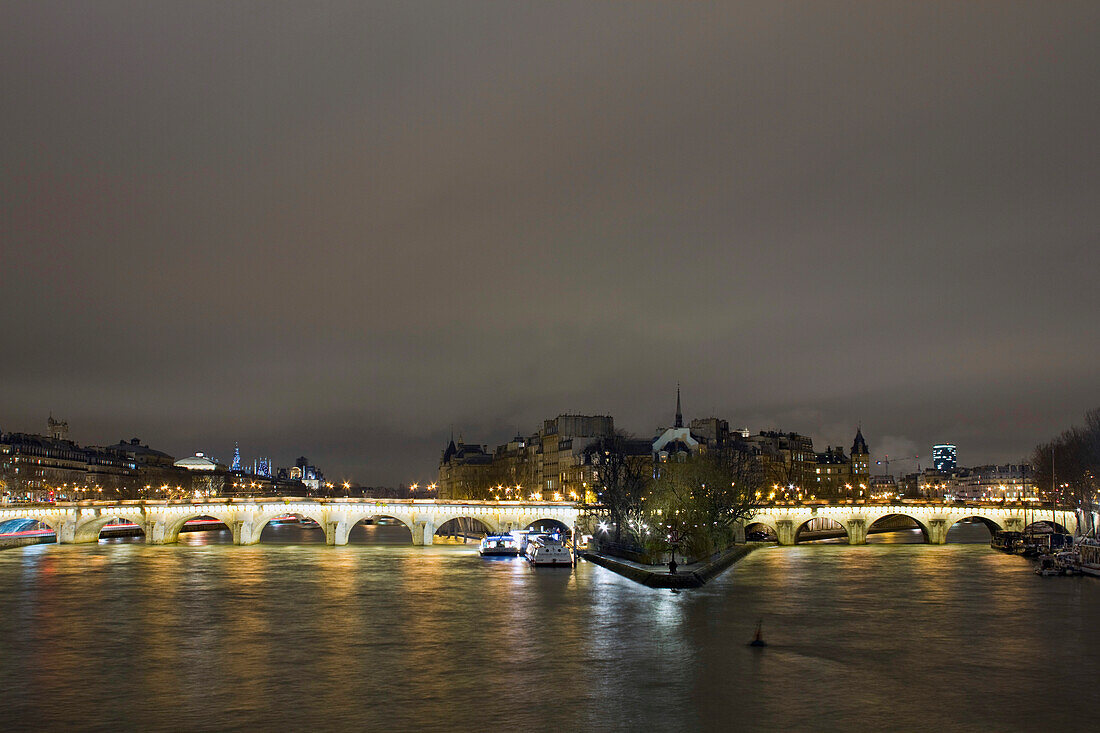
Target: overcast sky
x,y
338,229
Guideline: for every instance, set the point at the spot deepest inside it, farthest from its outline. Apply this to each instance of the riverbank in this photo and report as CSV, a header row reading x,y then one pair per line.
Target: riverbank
x,y
8,542
694,575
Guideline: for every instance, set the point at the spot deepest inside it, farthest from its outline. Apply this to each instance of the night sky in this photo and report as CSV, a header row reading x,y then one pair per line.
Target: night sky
x,y
339,229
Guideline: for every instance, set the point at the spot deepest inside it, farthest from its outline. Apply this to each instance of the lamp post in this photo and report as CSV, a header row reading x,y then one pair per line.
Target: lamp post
x,y
674,538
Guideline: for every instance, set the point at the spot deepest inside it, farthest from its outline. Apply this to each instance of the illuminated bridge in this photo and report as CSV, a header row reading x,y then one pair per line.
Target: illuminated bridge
x,y
787,523
161,521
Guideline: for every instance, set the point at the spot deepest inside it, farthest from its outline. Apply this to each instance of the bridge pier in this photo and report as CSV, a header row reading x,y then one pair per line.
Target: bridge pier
x,y
937,531
857,531
1014,524
336,532
423,532
156,533
66,532
247,531
785,531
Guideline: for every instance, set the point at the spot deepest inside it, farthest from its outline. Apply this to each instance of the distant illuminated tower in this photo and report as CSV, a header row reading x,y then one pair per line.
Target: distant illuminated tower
x,y
945,457
236,458
861,457
263,468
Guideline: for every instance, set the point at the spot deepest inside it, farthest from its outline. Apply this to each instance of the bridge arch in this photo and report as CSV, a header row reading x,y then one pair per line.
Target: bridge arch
x,y
555,522
93,529
261,525
894,516
484,519
761,526
1056,526
487,522
824,524
260,520
404,521
548,521
12,522
174,522
955,520
353,522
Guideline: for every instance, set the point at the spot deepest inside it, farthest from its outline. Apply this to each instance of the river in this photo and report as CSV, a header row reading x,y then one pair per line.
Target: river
x,y
292,634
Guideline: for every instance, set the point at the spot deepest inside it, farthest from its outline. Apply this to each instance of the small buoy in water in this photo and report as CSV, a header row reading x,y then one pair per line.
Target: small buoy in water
x,y
759,640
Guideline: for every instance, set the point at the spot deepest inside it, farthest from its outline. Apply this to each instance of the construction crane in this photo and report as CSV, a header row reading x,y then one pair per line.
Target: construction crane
x,y
886,461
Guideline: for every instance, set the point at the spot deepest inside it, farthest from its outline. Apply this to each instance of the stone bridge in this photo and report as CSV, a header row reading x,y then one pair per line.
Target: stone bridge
x,y
934,520
161,521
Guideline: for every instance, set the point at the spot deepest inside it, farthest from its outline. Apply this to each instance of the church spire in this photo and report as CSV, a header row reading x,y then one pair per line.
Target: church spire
x,y
679,412
859,445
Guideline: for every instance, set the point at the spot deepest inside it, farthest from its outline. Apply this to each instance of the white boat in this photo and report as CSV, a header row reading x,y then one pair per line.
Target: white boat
x,y
545,551
498,544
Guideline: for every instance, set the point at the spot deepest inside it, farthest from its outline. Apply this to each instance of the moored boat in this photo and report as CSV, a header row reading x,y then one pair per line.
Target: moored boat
x,y
1066,562
546,551
1047,566
1005,540
498,545
1089,558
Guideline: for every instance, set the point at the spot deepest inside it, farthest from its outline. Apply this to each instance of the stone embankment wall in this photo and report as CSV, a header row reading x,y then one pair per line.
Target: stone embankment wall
x,y
7,542
655,576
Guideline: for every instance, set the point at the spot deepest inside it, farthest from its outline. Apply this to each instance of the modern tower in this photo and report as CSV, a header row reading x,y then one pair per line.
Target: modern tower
x,y
945,457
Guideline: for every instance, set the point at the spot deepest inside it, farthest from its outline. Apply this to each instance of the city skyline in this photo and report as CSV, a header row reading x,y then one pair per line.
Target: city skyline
x,y
907,457
341,233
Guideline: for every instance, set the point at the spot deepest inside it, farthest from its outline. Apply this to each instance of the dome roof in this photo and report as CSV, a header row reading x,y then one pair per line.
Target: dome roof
x,y
197,462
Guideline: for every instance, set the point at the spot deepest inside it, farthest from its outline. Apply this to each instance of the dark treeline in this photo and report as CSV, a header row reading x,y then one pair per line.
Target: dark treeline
x,y
1066,468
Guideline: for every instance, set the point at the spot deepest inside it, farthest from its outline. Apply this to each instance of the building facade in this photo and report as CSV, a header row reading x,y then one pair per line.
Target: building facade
x,y
51,468
548,464
844,477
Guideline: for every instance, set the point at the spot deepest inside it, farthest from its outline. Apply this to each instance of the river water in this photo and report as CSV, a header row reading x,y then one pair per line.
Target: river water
x,y
292,634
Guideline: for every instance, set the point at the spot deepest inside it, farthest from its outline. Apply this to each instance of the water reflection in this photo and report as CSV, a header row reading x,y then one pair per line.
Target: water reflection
x,y
208,636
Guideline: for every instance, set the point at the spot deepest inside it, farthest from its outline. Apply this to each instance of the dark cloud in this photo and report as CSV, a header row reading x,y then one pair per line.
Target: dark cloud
x,y
338,229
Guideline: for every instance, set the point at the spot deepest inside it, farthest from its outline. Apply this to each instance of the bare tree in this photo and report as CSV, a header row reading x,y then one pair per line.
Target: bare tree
x,y
1067,467
699,502
622,474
